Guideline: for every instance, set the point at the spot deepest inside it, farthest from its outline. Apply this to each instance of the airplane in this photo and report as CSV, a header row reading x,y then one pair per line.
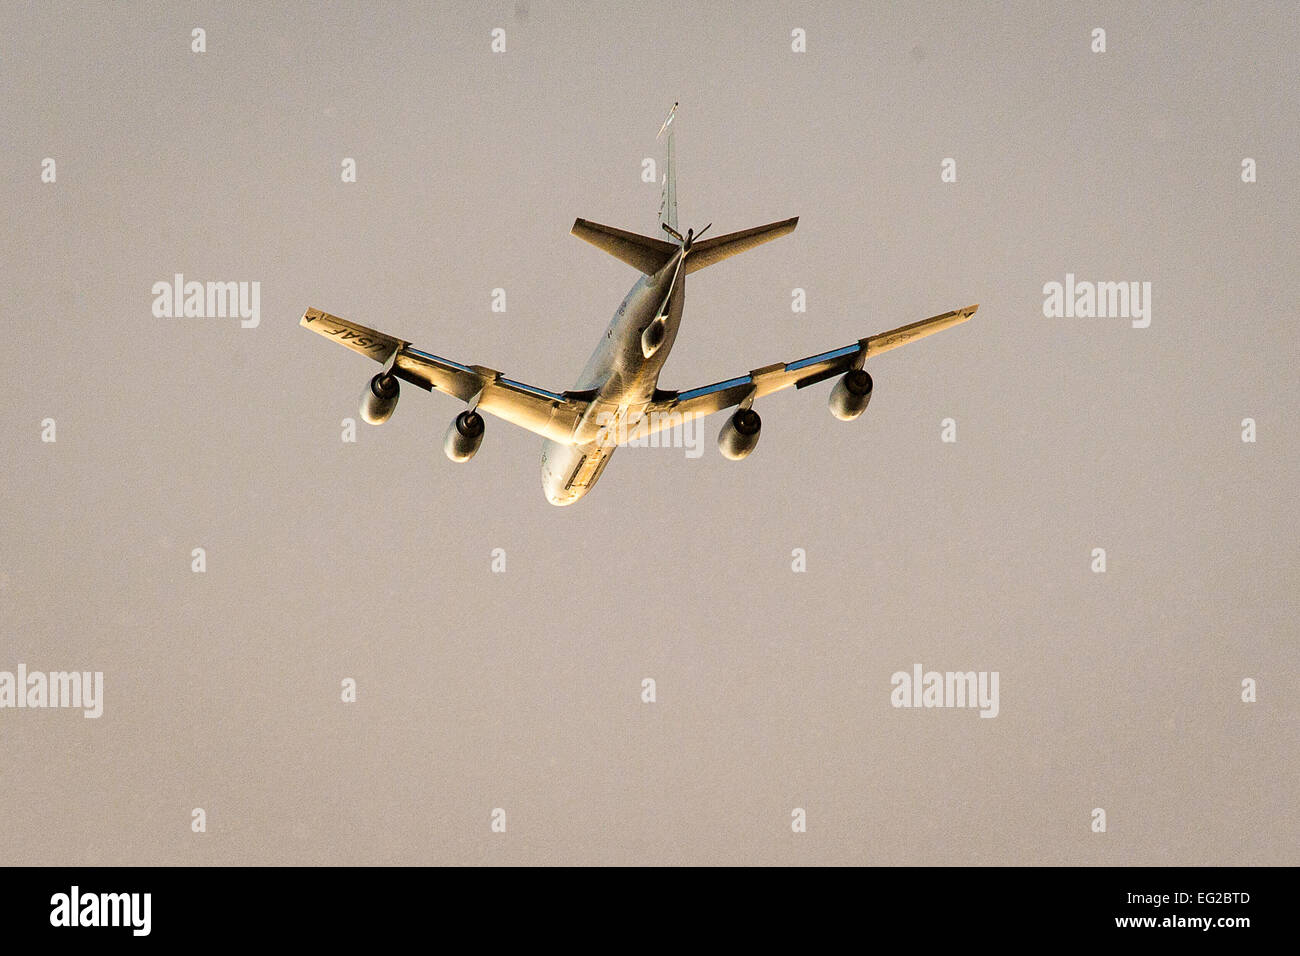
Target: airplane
x,y
617,398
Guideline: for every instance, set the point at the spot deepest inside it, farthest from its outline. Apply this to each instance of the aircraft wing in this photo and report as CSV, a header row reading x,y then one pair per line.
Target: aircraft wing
x,y
552,415
671,408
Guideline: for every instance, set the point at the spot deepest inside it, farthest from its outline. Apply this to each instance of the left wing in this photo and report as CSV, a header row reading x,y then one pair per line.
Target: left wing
x,y
552,415
673,408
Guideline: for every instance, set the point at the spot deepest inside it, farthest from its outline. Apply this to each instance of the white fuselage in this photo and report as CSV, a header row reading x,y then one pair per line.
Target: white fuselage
x,y
624,381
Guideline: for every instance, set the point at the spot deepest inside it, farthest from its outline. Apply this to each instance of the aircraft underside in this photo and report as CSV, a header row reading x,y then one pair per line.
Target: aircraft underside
x,y
617,398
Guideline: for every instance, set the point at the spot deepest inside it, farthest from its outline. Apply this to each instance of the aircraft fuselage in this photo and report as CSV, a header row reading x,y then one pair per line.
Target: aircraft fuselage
x,y
624,380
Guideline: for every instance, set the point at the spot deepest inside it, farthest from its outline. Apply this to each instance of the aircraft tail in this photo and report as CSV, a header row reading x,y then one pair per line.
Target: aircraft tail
x,y
708,251
640,252
649,255
668,196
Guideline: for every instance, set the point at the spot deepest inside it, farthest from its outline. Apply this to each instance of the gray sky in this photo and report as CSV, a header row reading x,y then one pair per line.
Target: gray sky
x,y
521,690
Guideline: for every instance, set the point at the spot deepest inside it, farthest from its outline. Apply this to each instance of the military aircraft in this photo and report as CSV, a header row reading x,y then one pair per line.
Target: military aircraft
x,y
617,398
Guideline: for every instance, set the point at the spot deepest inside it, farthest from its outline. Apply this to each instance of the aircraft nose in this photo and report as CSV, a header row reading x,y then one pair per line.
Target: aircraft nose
x,y
560,498
558,464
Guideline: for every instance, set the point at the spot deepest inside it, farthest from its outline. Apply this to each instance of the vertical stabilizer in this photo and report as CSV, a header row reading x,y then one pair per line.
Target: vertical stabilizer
x,y
668,198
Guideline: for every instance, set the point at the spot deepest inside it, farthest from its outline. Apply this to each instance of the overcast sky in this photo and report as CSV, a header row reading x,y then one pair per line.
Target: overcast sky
x,y
522,690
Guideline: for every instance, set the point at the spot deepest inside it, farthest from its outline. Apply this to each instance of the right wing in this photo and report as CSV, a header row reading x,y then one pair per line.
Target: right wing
x,y
552,415
673,408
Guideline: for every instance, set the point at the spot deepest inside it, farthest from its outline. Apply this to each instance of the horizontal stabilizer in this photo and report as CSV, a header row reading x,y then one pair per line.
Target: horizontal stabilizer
x,y
708,251
640,252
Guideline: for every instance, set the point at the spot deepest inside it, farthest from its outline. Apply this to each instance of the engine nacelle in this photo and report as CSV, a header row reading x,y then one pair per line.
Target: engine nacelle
x,y
464,436
851,395
739,436
380,399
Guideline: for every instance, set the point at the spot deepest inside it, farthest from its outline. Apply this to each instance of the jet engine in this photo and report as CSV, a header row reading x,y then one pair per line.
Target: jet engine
x,y
380,399
850,396
464,436
740,435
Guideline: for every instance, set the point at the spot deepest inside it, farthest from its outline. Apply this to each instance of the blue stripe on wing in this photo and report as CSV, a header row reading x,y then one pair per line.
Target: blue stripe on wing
x,y
533,389
814,359
718,387
440,360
